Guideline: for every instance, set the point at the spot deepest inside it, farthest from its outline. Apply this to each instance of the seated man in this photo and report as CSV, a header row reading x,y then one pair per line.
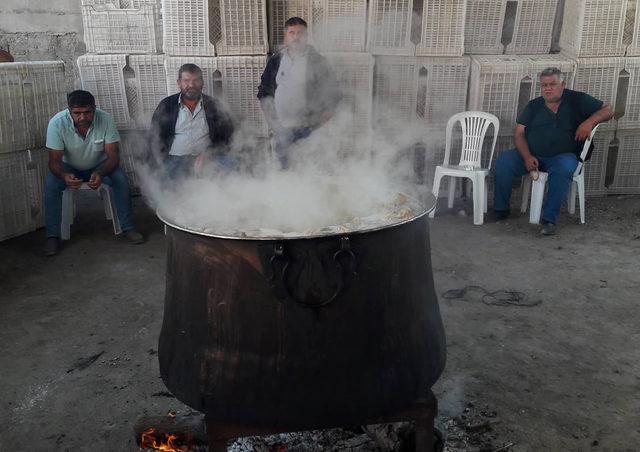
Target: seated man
x,y
189,127
549,136
298,91
82,141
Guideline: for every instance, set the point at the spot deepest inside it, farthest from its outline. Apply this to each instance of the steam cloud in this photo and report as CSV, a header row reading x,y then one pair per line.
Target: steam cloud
x,y
343,176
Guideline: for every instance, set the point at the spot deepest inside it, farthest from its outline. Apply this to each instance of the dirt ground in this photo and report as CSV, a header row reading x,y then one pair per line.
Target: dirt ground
x,y
79,334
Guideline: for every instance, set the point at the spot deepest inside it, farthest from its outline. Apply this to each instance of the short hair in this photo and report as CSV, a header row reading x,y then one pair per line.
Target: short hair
x,y
80,98
295,21
190,68
552,71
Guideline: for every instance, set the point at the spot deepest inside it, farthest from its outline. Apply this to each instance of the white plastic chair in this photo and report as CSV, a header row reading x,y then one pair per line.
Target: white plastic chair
x,y
538,187
474,126
69,209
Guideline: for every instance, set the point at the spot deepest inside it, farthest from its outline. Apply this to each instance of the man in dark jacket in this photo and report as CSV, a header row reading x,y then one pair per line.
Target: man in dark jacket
x,y
548,137
189,127
298,91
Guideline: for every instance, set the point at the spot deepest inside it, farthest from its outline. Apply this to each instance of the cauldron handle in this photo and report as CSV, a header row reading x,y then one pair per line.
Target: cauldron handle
x,y
279,255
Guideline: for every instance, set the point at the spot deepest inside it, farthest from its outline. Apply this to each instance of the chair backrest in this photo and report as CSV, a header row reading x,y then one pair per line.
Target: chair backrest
x,y
585,151
474,126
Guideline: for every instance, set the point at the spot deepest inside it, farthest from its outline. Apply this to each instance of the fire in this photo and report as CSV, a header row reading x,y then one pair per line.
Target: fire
x,y
148,440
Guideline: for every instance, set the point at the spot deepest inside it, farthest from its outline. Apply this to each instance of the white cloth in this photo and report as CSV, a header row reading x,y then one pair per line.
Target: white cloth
x,y
192,131
290,97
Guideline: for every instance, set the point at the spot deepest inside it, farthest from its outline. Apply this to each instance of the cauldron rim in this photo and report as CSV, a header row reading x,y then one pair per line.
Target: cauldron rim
x,y
428,202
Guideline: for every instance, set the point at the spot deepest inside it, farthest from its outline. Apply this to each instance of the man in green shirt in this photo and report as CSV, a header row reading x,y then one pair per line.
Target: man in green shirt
x,y
82,141
549,136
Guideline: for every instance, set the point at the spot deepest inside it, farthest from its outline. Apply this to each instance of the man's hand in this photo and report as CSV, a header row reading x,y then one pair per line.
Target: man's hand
x,y
95,181
72,181
326,116
199,163
531,163
584,130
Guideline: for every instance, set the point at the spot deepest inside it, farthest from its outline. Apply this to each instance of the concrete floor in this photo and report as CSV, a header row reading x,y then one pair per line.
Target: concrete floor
x,y
79,332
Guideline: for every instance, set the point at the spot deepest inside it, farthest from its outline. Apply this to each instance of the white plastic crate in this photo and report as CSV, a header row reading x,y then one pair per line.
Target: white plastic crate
x,y
240,80
394,93
31,92
114,30
45,95
280,11
390,27
150,83
595,168
441,88
15,132
37,169
629,98
103,76
15,203
593,28
186,29
352,125
503,84
339,25
530,23
599,77
483,26
420,90
631,37
243,27
132,145
443,23
533,27
626,178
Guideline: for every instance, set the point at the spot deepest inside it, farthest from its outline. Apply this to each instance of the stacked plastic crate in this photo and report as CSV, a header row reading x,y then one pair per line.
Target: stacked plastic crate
x,y
603,39
124,67
31,94
421,75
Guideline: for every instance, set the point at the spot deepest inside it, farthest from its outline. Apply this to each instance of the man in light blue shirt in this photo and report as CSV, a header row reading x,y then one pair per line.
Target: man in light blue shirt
x,y
82,141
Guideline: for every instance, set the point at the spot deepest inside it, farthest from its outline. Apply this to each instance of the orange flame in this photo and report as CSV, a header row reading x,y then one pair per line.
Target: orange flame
x,y
149,440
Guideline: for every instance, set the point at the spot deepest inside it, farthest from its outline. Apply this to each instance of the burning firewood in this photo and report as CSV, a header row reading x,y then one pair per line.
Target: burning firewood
x,y
171,433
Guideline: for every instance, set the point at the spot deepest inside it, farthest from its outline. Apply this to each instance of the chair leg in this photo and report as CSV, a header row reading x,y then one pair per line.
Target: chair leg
x,y
537,196
67,214
435,190
478,198
581,197
486,196
452,191
571,198
106,193
526,188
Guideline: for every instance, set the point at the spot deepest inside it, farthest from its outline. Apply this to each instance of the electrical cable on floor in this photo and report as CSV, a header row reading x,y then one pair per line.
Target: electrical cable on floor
x,y
501,297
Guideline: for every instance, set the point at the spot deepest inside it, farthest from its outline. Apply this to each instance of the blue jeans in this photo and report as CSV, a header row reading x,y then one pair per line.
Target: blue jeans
x,y
53,188
178,167
561,167
284,140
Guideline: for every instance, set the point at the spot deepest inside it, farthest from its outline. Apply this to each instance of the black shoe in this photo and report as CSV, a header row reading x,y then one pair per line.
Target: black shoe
x,y
51,246
548,228
133,236
500,215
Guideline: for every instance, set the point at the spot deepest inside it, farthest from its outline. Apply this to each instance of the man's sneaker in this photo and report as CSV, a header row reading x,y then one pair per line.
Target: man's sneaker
x,y
133,236
500,215
548,228
52,246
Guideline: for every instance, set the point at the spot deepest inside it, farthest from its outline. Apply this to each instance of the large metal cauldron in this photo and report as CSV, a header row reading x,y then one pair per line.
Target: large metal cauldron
x,y
301,332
